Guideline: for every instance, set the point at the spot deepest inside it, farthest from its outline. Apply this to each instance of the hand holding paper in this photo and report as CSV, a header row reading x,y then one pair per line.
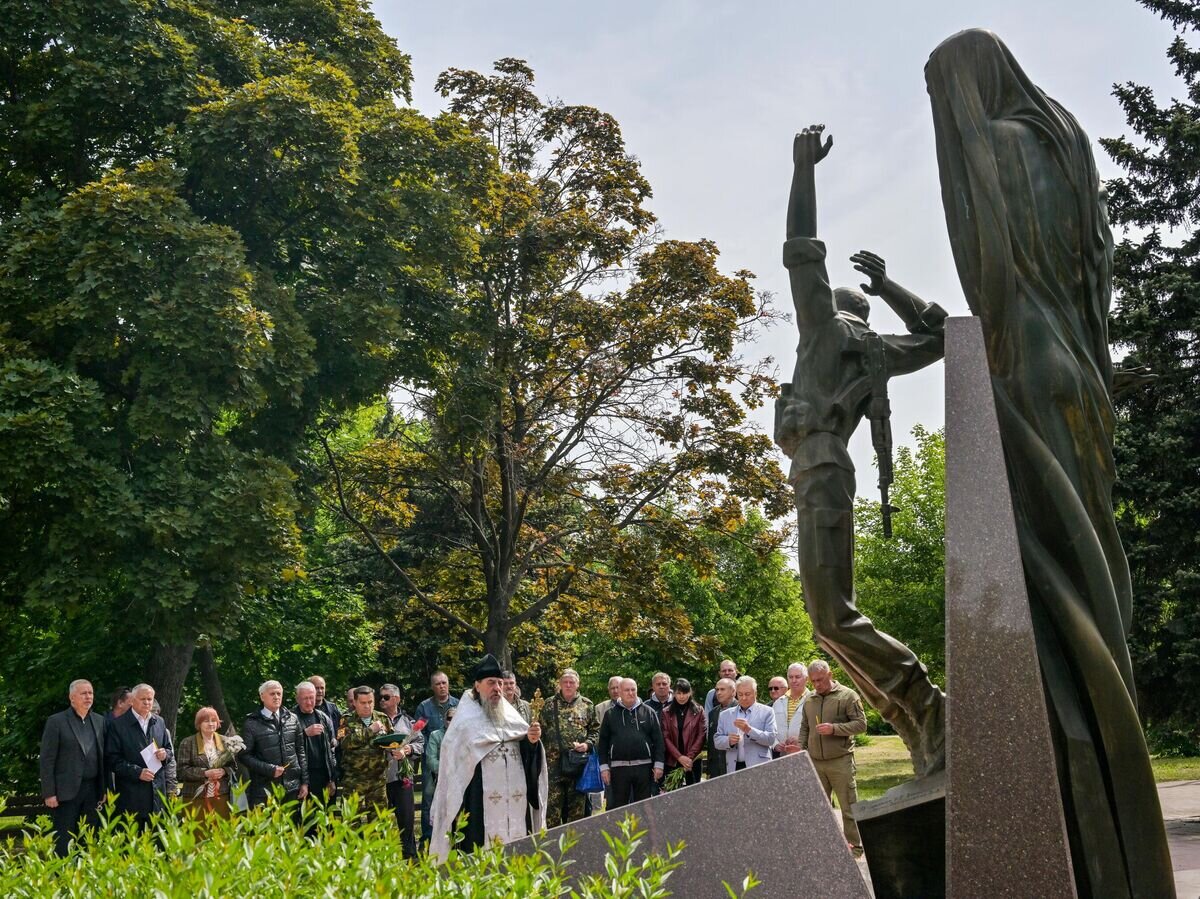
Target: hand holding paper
x,y
150,755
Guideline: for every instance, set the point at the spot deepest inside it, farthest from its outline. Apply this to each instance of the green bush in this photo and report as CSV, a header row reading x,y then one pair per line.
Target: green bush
x,y
1170,740
265,854
876,725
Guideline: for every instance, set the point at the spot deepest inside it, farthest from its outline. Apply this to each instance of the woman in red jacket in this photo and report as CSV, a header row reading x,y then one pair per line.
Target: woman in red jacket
x,y
684,731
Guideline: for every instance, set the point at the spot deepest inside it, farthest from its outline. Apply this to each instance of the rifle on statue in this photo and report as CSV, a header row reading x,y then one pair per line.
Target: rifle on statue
x,y
879,413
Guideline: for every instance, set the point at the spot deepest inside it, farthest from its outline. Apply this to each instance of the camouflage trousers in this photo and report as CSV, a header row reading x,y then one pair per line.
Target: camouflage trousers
x,y
564,803
372,797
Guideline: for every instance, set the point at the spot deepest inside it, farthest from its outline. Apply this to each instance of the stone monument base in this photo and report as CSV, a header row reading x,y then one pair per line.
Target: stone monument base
x,y
772,820
904,837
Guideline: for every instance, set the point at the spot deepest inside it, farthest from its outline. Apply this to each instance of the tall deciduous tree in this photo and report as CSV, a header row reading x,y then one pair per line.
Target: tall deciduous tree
x,y
738,600
591,408
1157,323
901,582
214,224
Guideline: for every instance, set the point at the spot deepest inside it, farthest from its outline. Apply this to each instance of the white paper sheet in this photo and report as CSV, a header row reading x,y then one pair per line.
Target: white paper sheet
x,y
150,758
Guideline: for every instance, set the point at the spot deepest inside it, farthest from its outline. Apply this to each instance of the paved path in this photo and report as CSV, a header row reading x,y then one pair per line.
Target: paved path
x,y
1181,810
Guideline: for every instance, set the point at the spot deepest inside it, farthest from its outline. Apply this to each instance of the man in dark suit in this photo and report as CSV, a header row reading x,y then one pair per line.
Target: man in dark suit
x,y
72,765
140,791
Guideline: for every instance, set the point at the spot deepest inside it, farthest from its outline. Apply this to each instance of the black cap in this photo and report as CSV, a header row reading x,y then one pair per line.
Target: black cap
x,y
683,685
486,667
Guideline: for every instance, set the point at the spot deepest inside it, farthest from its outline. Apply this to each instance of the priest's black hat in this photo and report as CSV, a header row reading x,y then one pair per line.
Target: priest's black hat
x,y
486,667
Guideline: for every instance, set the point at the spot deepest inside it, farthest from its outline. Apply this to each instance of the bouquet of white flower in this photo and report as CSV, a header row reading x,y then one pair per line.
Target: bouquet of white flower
x,y
233,746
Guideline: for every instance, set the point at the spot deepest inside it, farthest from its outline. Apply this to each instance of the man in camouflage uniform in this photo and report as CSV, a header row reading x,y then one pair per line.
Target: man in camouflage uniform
x,y
568,722
363,766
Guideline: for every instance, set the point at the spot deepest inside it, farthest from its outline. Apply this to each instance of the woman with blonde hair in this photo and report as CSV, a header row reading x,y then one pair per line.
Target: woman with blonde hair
x,y
207,766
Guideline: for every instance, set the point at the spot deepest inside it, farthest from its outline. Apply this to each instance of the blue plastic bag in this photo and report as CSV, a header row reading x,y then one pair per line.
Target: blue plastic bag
x,y
589,781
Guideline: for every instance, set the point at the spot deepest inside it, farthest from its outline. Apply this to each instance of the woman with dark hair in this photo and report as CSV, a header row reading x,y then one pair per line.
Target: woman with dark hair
x,y
1031,241
684,731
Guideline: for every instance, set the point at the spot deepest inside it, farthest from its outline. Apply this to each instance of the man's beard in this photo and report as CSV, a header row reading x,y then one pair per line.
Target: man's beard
x,y
494,709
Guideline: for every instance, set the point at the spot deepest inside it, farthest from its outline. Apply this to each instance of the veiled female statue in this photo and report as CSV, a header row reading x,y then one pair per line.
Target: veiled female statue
x,y
1031,241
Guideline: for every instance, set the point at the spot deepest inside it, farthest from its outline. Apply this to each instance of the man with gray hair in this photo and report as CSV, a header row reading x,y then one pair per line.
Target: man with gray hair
x,y
832,715
399,787
630,747
789,710
71,765
140,776
746,732
275,754
569,722
318,731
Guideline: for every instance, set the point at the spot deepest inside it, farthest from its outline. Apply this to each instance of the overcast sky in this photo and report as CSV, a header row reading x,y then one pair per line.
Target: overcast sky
x,y
708,95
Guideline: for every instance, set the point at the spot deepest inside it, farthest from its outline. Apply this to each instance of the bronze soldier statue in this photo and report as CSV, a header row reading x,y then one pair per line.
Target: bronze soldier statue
x,y
838,360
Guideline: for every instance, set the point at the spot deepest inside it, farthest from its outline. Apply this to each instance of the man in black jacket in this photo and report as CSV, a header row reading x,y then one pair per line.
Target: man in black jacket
x,y
722,700
318,742
140,786
275,752
630,747
72,765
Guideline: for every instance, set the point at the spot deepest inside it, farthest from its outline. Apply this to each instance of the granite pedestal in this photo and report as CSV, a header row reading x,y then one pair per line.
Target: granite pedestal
x,y
1005,830
904,834
772,820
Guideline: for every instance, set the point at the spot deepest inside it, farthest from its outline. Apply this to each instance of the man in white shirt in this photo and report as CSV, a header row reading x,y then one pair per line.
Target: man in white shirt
x,y
789,710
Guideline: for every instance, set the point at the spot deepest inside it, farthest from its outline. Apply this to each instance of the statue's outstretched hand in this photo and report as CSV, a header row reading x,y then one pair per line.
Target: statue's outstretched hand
x,y
807,148
874,268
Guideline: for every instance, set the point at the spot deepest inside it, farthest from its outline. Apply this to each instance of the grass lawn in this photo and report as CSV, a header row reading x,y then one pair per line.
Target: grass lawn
x,y
881,765
884,764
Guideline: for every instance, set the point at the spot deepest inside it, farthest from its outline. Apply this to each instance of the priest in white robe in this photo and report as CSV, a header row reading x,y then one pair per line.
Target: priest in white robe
x,y
492,766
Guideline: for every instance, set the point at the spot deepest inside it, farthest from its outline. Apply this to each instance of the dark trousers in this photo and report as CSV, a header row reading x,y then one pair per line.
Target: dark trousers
x,y
72,813
426,808
630,783
716,764
400,798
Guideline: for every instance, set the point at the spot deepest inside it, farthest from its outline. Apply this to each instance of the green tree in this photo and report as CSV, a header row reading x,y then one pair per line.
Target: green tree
x,y
901,582
1156,323
590,412
215,224
742,602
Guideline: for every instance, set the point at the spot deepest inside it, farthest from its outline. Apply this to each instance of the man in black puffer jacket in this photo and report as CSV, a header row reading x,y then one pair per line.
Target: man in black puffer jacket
x,y
630,747
275,752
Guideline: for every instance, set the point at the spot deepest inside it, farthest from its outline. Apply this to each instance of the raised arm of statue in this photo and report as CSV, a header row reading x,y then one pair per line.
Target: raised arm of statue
x,y
803,254
807,151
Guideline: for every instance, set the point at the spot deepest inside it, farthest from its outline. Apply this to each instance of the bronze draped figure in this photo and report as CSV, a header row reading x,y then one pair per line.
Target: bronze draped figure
x,y
1032,245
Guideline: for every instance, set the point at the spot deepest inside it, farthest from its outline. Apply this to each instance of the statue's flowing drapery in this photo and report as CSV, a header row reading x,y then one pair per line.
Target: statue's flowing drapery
x,y
1034,253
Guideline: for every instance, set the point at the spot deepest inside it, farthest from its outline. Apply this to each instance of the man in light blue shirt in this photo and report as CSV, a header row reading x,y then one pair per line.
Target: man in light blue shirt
x,y
746,732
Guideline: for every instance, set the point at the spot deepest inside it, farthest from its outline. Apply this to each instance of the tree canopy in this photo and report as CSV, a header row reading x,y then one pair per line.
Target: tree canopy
x,y
1156,323
901,582
215,223
589,412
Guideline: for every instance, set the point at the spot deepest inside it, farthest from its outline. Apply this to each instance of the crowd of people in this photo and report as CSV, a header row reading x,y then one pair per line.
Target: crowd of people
x,y
512,765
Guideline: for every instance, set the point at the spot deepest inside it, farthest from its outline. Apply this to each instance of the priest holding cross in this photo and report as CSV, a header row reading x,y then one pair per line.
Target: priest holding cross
x,y
492,767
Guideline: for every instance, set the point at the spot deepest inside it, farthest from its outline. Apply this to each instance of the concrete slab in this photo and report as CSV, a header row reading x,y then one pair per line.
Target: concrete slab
x,y
772,819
